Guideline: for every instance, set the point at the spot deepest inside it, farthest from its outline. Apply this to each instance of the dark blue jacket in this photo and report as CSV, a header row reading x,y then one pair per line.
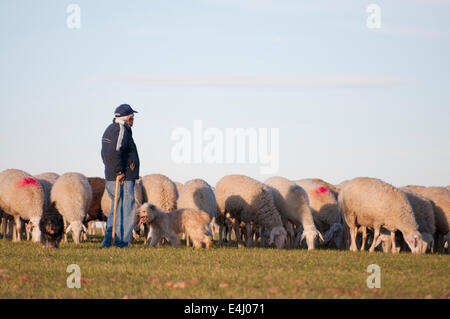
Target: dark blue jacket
x,y
119,152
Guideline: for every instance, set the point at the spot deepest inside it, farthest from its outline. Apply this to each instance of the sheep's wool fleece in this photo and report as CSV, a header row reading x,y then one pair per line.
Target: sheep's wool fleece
x,y
197,194
21,194
370,201
247,199
72,195
160,191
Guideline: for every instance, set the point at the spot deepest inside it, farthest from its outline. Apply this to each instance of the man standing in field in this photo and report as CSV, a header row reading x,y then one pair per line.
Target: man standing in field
x,y
120,156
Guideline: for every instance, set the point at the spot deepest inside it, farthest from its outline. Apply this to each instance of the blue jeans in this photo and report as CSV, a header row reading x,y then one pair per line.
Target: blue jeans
x,y
125,215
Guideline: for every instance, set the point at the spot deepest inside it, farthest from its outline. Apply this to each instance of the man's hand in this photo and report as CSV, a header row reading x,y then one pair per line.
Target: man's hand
x,y
121,178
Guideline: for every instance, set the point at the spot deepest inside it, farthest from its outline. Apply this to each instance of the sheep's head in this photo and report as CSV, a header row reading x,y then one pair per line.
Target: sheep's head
x,y
414,241
147,213
77,229
427,242
278,236
335,233
311,234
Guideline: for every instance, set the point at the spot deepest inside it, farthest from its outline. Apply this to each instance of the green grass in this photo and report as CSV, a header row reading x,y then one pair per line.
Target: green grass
x,y
29,271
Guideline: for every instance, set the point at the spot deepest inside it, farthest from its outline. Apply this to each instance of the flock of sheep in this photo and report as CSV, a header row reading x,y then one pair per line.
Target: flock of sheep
x,y
356,214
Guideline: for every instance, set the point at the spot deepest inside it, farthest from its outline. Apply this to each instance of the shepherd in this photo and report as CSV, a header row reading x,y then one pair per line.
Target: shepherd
x,y
121,159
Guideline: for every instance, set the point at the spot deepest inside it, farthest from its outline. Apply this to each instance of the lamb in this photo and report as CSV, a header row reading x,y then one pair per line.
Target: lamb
x,y
440,197
291,200
168,225
22,196
249,200
325,211
72,196
160,191
370,202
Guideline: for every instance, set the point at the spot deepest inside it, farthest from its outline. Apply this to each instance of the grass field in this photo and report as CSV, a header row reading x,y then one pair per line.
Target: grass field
x,y
29,271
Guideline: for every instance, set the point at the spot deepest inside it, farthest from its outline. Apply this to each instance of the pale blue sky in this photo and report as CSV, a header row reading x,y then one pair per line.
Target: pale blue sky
x,y
360,103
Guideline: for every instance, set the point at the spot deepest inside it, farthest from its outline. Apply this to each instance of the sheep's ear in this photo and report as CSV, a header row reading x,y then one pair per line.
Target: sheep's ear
x,y
69,228
378,242
84,228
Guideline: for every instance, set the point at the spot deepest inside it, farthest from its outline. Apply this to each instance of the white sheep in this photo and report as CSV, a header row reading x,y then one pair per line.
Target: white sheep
x,y
373,203
72,195
249,200
197,194
424,216
325,211
292,202
160,191
22,196
440,198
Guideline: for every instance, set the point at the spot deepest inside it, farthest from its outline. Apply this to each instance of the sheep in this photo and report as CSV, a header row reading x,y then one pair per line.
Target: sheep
x,y
46,180
249,200
198,194
179,186
424,216
22,196
440,197
373,203
160,191
72,196
291,200
333,189
324,208
194,223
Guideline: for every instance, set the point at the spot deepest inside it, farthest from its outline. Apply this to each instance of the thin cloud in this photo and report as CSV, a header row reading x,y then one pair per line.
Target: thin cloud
x,y
201,80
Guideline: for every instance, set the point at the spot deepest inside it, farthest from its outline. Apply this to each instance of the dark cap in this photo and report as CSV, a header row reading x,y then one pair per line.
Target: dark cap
x,y
124,110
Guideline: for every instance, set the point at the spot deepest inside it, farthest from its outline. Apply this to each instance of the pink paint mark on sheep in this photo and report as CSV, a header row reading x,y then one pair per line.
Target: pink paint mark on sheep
x,y
28,181
321,190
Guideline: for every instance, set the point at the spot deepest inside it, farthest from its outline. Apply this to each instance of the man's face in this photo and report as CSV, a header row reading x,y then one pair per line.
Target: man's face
x,y
130,120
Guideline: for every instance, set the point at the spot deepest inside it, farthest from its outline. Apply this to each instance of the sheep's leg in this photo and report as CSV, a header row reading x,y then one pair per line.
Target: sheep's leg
x,y
393,245
353,233
237,232
249,230
364,237
220,234
4,221
18,224
376,234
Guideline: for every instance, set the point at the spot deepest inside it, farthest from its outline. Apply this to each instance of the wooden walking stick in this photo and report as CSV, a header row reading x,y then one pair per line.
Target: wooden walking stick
x,y
116,195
